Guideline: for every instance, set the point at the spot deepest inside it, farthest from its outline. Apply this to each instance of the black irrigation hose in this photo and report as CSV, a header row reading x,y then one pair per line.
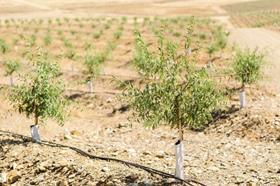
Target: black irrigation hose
x,y
83,153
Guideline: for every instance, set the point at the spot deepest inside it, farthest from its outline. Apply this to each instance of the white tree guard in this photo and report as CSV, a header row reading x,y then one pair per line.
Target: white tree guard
x,y
242,97
90,86
72,67
11,80
179,150
189,51
35,133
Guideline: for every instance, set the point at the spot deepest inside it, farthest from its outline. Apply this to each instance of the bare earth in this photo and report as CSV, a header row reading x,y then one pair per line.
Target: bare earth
x,y
241,149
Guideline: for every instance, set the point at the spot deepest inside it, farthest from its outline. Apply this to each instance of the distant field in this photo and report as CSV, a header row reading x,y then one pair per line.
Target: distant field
x,y
263,13
253,6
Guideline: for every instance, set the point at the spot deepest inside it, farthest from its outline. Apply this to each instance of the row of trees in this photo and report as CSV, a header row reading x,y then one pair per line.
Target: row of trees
x,y
175,92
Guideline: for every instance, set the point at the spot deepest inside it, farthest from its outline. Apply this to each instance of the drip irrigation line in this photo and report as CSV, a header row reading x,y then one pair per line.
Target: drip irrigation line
x,y
189,182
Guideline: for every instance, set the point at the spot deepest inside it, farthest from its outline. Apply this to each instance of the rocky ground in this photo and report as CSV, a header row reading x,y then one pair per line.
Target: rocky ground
x,y
241,148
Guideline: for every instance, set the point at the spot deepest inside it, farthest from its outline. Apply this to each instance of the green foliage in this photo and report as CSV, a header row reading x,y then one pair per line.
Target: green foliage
x,y
70,53
247,66
67,43
87,46
47,39
93,65
41,94
177,34
107,26
11,66
4,48
117,34
220,37
219,40
146,63
124,19
175,92
97,35
30,42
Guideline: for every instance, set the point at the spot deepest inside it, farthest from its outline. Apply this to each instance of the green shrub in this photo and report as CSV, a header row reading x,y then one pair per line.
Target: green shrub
x,y
247,66
4,48
11,66
41,94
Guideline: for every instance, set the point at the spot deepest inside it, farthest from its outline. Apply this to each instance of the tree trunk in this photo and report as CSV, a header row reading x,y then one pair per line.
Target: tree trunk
x,y
242,96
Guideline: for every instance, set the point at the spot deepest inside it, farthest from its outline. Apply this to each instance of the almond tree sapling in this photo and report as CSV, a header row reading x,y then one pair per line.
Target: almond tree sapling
x,y
92,64
3,46
47,39
11,67
174,94
247,68
219,42
41,93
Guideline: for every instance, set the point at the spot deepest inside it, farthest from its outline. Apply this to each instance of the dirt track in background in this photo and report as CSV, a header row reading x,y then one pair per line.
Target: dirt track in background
x,y
51,8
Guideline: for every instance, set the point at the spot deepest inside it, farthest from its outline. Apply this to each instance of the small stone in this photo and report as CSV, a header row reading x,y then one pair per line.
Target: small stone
x,y
41,169
105,169
109,100
147,153
62,183
13,176
131,178
3,177
75,133
131,152
71,176
160,154
67,137
13,166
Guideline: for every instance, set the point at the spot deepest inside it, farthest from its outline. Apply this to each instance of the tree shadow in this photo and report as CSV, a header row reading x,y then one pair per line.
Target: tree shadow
x,y
75,96
223,114
20,139
219,115
12,142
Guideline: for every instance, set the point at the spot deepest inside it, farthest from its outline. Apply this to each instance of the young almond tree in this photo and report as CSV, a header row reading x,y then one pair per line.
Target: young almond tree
x,y
247,68
218,43
3,46
11,67
93,65
175,93
41,93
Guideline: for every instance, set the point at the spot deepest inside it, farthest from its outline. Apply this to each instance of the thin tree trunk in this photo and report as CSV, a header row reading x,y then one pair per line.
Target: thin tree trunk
x,y
36,115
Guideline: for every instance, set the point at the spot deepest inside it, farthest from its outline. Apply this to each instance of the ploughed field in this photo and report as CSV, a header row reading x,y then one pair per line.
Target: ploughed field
x,y
264,14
